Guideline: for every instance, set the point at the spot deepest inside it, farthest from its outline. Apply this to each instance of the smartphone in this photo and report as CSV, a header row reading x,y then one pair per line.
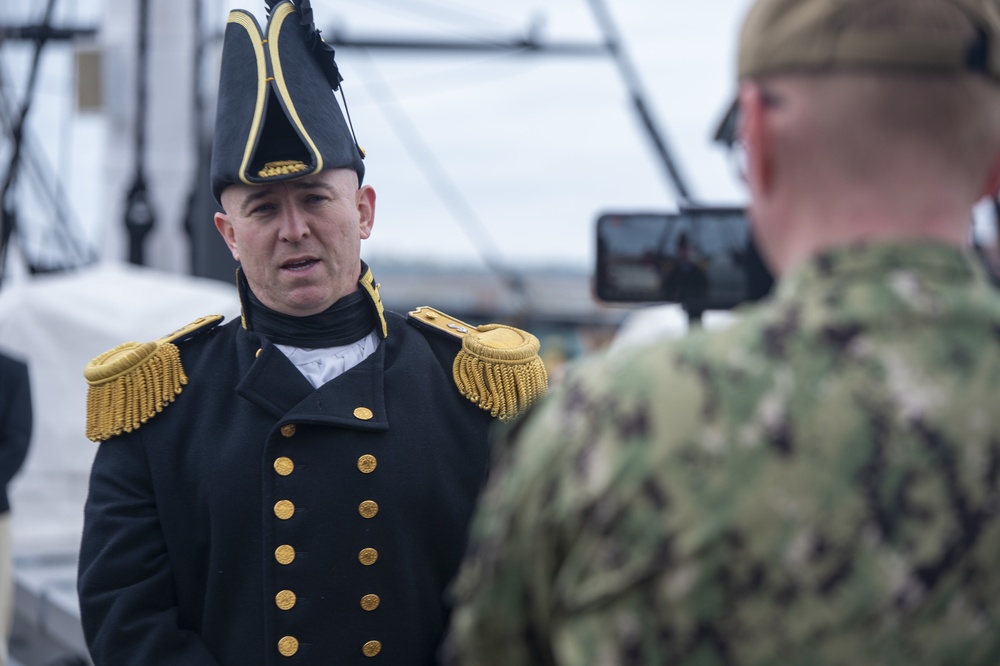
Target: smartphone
x,y
703,258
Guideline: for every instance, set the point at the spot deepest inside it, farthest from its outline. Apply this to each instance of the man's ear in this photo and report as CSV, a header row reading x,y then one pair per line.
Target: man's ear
x,y
753,133
366,210
225,228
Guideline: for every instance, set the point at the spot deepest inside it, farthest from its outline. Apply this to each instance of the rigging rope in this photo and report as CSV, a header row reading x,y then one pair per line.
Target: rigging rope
x,y
139,214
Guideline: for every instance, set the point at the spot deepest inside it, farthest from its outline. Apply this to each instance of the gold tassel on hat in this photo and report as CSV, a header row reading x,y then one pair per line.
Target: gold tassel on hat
x,y
132,382
498,367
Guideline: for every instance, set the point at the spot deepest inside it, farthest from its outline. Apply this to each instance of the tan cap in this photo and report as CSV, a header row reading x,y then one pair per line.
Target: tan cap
x,y
789,35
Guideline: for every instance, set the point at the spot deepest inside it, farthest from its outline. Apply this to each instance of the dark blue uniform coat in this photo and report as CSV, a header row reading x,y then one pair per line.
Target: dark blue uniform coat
x,y
260,521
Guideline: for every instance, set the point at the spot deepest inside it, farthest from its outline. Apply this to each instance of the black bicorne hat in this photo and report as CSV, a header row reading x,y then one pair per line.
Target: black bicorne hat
x,y
277,116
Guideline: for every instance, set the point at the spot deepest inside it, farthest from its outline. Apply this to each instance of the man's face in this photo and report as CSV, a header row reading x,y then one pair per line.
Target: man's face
x,y
299,241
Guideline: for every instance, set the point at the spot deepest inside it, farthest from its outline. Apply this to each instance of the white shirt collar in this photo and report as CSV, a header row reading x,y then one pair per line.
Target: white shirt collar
x,y
321,365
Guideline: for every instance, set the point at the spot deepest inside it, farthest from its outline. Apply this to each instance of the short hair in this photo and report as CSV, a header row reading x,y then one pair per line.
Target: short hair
x,y
951,119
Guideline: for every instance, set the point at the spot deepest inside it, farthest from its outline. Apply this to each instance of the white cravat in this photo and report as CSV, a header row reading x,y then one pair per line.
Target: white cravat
x,y
321,365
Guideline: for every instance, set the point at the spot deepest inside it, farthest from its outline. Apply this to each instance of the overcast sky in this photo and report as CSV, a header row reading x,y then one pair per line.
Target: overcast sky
x,y
508,156
539,146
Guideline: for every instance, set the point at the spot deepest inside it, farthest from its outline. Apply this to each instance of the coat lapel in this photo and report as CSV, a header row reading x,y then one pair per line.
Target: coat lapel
x,y
355,399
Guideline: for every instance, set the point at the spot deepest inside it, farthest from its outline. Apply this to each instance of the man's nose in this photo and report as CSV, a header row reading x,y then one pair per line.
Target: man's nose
x,y
294,225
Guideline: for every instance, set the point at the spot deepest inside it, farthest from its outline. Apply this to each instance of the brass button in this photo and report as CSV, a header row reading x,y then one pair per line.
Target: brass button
x,y
288,429
284,466
368,556
367,464
285,600
288,646
363,413
371,648
258,353
368,509
370,602
284,554
284,509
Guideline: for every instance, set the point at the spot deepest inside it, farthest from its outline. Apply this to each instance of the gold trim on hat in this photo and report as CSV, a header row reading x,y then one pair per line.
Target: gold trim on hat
x,y
273,31
248,23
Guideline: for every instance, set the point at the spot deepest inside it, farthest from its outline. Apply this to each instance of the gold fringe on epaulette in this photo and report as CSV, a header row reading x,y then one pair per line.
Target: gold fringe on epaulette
x,y
129,384
499,369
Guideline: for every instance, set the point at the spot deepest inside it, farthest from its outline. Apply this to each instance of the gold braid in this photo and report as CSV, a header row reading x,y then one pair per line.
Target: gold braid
x,y
281,168
132,382
498,368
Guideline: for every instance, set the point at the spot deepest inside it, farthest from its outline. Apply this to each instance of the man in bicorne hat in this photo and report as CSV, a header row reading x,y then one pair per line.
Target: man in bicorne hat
x,y
293,486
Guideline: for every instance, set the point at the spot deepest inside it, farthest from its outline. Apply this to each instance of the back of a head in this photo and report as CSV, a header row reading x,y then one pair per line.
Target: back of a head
x,y
889,91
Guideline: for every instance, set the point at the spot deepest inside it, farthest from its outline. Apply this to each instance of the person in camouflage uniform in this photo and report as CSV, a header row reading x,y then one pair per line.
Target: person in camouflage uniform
x,y
820,482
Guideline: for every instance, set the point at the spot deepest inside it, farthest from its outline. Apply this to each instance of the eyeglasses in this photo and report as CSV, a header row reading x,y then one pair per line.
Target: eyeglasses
x,y
738,159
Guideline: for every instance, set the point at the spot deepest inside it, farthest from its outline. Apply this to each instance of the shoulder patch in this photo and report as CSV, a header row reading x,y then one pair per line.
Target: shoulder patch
x,y
497,368
132,382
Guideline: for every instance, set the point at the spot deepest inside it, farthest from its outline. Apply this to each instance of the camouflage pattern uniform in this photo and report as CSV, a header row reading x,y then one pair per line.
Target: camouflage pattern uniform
x,y
817,484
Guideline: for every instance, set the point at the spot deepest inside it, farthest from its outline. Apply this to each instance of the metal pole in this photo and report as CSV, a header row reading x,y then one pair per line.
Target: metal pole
x,y
632,82
139,215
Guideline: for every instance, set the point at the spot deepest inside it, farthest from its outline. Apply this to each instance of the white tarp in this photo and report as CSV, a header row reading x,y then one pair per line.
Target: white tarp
x,y
657,322
58,323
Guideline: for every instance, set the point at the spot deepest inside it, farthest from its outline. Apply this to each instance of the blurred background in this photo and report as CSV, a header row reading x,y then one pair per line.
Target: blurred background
x,y
493,136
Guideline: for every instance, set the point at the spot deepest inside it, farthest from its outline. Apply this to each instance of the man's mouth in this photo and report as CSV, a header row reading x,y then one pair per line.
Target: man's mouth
x,y
299,264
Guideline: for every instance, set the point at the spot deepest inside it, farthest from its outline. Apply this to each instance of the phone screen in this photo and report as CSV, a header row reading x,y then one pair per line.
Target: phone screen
x,y
703,258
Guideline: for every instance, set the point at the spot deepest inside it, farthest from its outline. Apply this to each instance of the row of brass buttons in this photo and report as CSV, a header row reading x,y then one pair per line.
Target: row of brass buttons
x,y
285,554
284,465
285,509
360,413
289,645
368,556
286,600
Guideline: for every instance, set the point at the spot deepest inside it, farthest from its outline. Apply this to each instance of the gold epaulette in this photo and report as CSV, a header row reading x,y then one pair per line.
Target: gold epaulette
x,y
132,382
498,367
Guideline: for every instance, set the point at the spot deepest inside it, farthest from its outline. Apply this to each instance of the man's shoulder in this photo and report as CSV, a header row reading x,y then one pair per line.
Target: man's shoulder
x,y
495,366
671,364
132,382
652,402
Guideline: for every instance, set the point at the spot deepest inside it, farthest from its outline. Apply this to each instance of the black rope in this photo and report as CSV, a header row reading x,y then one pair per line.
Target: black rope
x,y
139,215
35,172
450,195
198,134
347,113
8,215
632,82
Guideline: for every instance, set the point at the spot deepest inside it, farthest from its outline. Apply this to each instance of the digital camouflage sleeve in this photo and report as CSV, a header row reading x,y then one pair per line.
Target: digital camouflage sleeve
x,y
817,484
